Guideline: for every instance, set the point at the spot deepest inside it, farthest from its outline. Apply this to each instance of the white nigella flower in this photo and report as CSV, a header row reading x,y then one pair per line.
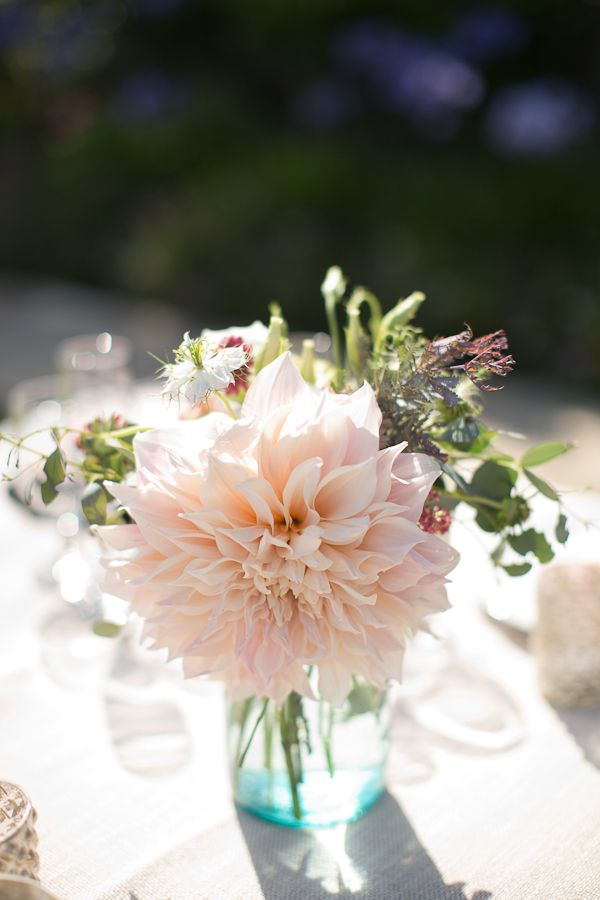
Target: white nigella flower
x,y
201,367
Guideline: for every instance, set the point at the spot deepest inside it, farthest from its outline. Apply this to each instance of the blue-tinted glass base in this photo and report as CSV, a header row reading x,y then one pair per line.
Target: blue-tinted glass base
x,y
324,801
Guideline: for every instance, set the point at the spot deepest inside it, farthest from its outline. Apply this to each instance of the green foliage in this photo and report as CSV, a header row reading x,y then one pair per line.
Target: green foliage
x,y
363,698
561,531
531,541
396,320
494,481
94,503
106,629
425,390
462,433
543,453
517,569
542,486
55,472
106,454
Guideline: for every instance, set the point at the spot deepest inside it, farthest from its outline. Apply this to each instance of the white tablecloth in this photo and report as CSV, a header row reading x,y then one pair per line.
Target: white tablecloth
x,y
520,824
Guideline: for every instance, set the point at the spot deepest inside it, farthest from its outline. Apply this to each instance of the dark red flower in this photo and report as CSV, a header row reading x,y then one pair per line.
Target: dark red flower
x,y
241,375
435,518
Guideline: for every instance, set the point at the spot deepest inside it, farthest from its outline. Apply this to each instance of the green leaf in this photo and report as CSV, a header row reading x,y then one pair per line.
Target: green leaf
x,y
517,569
542,486
455,476
516,510
531,541
93,503
493,481
106,629
461,433
48,492
523,543
497,554
543,453
54,470
363,698
561,531
489,520
483,440
543,550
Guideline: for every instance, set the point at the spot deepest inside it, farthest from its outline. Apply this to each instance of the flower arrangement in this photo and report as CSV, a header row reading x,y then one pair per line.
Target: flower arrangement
x,y
287,536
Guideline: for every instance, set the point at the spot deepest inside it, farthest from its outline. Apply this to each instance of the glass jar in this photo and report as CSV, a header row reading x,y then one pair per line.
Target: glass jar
x,y
306,762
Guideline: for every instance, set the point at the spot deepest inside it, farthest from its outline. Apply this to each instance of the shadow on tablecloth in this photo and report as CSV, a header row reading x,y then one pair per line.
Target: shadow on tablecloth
x,y
584,727
377,858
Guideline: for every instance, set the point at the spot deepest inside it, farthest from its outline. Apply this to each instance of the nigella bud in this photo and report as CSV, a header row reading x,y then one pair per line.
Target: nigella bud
x,y
334,283
307,361
358,344
275,344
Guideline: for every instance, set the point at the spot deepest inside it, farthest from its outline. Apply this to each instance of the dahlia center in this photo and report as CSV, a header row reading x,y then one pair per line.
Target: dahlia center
x,y
287,567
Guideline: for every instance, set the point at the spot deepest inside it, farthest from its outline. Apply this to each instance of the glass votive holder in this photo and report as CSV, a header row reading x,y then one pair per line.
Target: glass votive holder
x,y
567,636
18,837
94,363
14,887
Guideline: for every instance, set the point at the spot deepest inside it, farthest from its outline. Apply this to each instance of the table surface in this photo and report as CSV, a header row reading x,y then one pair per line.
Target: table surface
x,y
520,822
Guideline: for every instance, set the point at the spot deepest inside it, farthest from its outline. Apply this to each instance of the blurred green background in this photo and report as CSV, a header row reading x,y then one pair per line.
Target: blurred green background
x,y
218,155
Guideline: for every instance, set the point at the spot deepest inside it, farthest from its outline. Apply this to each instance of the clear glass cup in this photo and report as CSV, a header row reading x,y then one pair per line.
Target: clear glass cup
x,y
94,362
16,887
306,762
34,407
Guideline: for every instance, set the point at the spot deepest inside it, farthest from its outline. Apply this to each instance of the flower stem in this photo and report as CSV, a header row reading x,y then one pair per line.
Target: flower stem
x,y
246,706
286,743
227,404
471,498
259,719
326,737
269,738
334,331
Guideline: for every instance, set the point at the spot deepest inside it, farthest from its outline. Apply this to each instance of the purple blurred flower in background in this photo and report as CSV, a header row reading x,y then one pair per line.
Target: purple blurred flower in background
x,y
57,41
434,79
415,76
16,20
486,33
148,94
539,118
324,104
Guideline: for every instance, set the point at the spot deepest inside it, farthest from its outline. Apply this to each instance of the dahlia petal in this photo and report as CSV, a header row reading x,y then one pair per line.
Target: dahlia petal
x,y
263,500
365,416
300,489
413,475
347,491
121,537
278,384
345,531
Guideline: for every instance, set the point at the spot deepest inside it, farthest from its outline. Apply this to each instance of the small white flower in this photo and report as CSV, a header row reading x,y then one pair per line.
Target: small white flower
x,y
201,367
253,335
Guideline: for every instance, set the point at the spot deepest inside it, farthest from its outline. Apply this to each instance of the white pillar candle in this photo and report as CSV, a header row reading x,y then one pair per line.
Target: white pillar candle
x,y
567,636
